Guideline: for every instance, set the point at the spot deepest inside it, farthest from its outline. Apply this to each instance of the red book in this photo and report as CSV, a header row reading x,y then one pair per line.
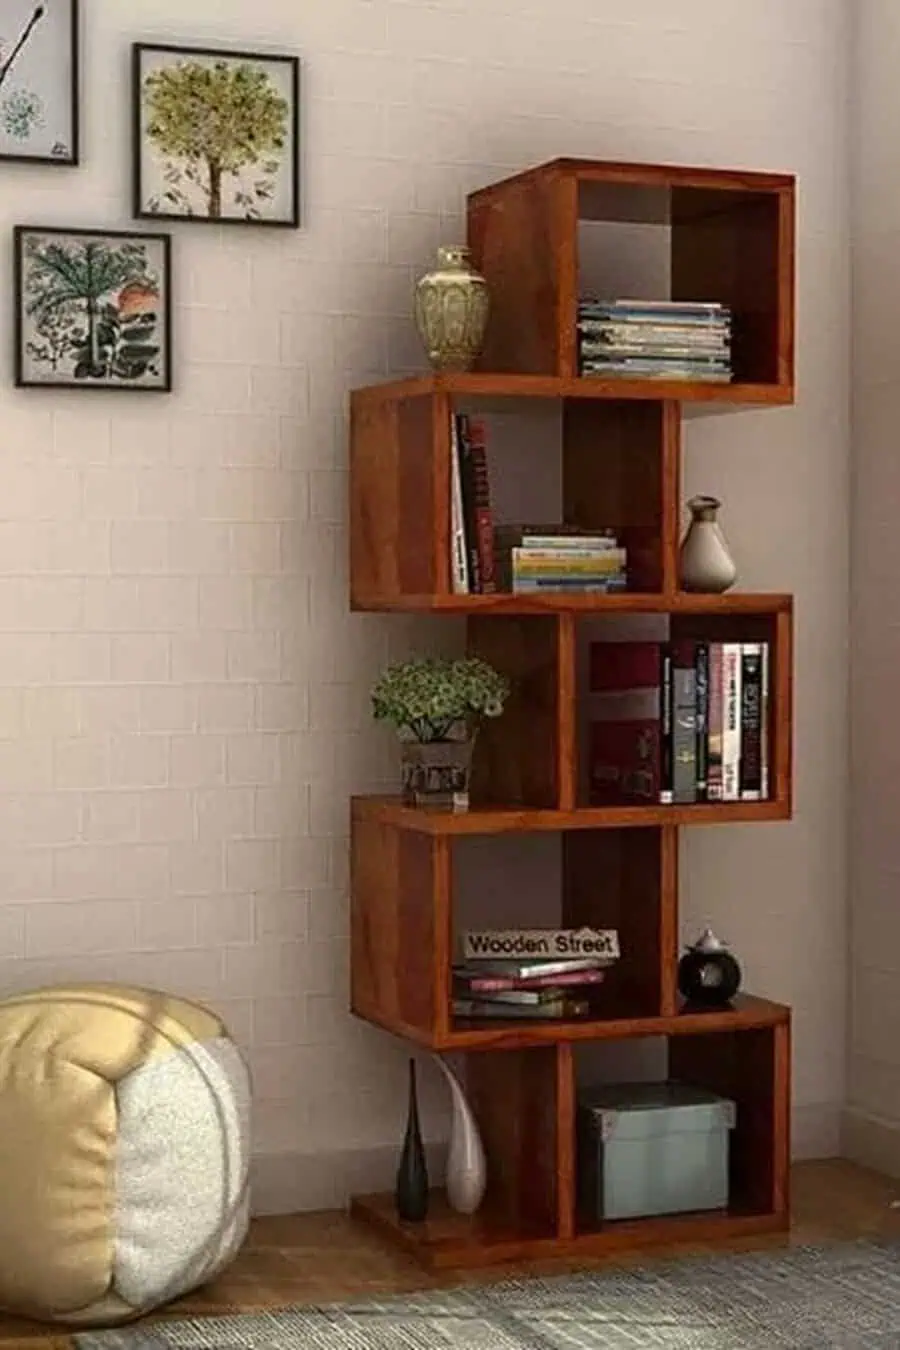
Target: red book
x,y
479,517
630,705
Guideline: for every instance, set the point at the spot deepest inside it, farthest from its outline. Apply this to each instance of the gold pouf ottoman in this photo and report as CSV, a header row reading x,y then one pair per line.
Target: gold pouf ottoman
x,y
124,1151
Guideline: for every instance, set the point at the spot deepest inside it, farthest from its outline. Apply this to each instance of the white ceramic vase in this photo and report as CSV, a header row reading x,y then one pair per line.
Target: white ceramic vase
x,y
706,565
466,1167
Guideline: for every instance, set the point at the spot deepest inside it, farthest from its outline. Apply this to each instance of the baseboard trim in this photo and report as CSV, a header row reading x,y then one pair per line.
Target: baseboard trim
x,y
871,1141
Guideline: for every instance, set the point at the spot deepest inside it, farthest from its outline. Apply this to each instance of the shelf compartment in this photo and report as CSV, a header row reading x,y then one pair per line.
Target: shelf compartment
x,y
412,892
414,895
518,1104
731,239
772,626
526,1112
751,1067
609,879
599,465
777,630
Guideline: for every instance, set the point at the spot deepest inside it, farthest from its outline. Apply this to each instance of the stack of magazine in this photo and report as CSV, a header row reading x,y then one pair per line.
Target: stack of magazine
x,y
535,974
655,339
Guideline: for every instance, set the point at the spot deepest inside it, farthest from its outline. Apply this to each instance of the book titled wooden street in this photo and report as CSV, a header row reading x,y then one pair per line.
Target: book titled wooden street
x,y
551,944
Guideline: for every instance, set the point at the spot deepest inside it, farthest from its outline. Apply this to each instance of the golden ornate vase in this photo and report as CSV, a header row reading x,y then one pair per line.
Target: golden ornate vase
x,y
451,310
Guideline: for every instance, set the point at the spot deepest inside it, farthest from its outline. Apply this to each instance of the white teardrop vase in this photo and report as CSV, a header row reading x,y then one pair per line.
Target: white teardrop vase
x,y
466,1166
706,564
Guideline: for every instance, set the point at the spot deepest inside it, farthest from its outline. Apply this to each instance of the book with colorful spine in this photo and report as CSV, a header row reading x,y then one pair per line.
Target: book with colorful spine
x,y
559,558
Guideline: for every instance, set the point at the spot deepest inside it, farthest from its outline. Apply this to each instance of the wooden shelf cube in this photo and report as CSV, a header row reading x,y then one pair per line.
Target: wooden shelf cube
x,y
730,239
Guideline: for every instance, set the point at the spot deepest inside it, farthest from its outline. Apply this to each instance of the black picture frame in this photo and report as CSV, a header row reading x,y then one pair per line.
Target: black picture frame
x,y
21,363
72,159
140,197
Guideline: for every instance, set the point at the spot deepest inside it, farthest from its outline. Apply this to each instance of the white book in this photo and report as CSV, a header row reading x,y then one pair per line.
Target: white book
x,y
710,305
732,654
459,567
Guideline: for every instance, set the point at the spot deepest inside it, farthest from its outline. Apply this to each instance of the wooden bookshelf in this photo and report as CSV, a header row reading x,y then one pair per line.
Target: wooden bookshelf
x,y
731,239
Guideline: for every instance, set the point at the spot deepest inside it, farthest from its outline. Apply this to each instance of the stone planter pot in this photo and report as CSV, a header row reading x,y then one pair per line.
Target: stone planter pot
x,y
436,773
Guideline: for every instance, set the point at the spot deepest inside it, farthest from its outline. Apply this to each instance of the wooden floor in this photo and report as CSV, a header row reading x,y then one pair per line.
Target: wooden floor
x,y
316,1258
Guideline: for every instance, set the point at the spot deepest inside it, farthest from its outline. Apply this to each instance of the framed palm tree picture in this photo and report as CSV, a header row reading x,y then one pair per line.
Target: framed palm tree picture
x,y
93,309
39,78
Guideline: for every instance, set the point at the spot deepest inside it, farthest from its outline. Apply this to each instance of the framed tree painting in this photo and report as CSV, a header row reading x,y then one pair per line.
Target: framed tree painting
x,y
93,309
39,80
216,136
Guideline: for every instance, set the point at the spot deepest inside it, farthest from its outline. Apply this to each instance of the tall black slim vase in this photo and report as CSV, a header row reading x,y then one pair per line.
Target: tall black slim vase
x,y
411,1192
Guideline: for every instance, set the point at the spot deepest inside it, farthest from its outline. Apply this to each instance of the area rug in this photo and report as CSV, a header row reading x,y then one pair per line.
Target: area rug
x,y
839,1298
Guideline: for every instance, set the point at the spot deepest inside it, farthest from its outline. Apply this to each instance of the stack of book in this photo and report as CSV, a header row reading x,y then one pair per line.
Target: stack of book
x,y
679,722
536,558
655,339
471,515
542,973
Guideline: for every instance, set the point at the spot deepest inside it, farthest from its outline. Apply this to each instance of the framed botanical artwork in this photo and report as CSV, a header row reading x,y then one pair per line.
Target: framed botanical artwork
x,y
93,309
39,80
216,135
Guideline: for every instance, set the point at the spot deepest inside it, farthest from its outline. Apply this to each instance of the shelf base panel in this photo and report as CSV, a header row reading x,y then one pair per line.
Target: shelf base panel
x,y
448,1241
745,1014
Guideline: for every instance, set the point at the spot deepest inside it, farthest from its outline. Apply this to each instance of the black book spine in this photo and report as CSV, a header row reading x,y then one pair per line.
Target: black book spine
x,y
469,481
751,769
702,686
666,719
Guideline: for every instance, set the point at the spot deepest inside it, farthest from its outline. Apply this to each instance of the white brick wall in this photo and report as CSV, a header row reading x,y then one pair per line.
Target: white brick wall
x,y
182,688
872,1123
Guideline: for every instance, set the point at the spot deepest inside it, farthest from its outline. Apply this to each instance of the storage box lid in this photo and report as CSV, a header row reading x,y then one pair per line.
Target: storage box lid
x,y
647,1110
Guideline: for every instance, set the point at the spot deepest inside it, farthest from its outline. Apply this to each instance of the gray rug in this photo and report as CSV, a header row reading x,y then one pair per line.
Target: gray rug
x,y
840,1298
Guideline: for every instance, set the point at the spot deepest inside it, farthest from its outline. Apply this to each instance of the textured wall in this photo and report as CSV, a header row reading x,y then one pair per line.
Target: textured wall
x,y
872,1125
182,690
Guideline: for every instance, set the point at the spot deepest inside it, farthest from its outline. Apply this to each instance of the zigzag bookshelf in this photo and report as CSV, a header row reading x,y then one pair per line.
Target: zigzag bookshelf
x,y
732,240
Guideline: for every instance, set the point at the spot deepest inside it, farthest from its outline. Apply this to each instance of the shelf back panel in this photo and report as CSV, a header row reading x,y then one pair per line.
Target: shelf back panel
x,y
628,880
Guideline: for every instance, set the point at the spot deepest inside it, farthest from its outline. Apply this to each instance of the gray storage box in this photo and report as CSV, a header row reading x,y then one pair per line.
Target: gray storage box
x,y
652,1148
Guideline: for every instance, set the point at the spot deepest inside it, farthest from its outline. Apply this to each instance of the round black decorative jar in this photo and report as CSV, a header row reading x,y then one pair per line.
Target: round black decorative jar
x,y
708,974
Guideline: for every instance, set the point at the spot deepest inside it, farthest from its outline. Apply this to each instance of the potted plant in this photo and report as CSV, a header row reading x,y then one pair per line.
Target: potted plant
x,y
436,706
